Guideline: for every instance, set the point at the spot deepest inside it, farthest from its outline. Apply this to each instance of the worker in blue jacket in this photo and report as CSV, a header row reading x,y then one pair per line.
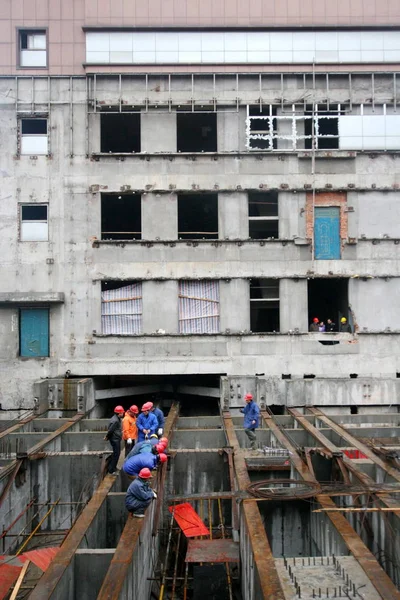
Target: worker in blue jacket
x,y
251,419
146,446
146,423
139,494
133,465
159,415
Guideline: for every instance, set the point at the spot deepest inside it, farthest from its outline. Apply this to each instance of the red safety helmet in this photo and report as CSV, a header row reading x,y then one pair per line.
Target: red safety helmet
x,y
146,406
164,440
160,448
248,397
315,320
145,473
163,458
134,409
119,409
151,405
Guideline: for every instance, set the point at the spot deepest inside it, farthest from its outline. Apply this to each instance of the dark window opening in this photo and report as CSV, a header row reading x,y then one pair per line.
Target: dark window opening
x,y
120,132
263,215
286,376
353,375
262,127
34,212
309,376
277,409
354,410
264,305
326,123
121,217
328,299
196,132
198,216
117,284
34,126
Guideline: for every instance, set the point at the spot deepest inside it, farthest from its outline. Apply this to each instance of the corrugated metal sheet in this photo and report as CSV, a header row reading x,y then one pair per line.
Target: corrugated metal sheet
x,y
42,557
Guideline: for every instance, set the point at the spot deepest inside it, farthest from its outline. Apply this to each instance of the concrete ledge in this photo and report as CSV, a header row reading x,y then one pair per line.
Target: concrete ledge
x,y
31,297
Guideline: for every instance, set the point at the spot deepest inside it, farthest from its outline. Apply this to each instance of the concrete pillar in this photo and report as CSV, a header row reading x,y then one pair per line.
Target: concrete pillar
x,y
158,131
160,306
231,130
159,216
233,216
94,132
293,305
234,305
291,210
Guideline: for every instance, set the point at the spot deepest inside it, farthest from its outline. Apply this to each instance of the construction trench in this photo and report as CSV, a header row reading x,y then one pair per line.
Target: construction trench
x,y
313,513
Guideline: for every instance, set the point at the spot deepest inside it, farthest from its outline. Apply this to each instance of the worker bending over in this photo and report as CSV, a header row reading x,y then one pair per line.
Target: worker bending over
x,y
135,464
146,422
145,447
139,494
129,429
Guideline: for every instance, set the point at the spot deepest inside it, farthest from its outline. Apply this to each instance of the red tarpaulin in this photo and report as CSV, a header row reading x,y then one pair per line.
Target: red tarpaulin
x,y
188,520
10,566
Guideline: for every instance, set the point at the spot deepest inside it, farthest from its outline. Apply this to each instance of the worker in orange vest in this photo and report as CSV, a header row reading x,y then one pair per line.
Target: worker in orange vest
x,y
129,428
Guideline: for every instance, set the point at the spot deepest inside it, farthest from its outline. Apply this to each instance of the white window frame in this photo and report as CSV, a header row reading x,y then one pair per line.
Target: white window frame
x,y
256,300
35,55
42,233
34,144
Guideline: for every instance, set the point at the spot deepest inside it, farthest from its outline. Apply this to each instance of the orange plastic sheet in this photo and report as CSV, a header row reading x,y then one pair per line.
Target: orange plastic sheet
x,y
188,520
10,566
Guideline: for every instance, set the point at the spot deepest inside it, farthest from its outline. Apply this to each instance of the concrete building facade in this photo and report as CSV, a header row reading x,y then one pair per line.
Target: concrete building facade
x,y
185,187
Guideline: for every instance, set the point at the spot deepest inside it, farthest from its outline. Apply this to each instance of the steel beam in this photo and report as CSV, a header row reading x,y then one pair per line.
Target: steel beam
x,y
17,426
115,577
377,576
264,561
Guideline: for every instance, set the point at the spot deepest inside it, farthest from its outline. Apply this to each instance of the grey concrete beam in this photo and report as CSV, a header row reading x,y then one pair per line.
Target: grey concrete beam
x,y
31,297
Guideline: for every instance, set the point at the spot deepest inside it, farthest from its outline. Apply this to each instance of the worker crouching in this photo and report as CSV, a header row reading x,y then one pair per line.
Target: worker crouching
x,y
139,494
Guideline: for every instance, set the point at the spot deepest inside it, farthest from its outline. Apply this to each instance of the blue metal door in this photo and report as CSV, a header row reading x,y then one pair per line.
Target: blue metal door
x,y
327,233
34,332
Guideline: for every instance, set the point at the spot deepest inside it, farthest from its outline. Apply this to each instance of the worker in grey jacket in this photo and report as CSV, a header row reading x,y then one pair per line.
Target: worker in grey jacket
x,y
114,436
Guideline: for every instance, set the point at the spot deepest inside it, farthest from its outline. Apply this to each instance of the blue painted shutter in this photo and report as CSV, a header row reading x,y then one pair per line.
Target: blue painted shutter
x,y
34,332
327,233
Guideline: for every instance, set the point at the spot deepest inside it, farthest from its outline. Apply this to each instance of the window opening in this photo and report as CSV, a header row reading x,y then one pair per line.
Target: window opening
x,y
196,132
34,332
119,132
261,127
199,307
264,305
34,223
32,48
198,216
34,139
328,299
121,217
263,215
121,307
326,127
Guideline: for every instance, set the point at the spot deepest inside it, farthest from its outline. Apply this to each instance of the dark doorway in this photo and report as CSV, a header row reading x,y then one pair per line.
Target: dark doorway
x,y
328,299
119,132
198,216
264,305
196,132
121,217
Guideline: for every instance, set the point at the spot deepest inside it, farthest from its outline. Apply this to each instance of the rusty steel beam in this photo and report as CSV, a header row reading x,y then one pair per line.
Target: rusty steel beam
x,y
114,579
353,441
377,576
264,561
17,426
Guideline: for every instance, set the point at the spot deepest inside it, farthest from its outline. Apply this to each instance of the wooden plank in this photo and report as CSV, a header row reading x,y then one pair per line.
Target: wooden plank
x,y
20,580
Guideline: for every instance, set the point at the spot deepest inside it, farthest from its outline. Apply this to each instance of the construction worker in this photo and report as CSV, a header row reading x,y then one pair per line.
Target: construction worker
x,y
344,326
145,447
159,415
133,465
114,436
314,326
146,422
129,429
153,439
251,419
139,494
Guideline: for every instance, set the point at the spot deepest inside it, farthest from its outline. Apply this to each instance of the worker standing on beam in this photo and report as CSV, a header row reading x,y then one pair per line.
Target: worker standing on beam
x,y
139,494
114,436
133,465
251,419
159,415
129,429
146,422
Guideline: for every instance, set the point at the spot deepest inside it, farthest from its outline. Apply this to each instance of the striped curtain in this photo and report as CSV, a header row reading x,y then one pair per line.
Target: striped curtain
x,y
121,310
198,307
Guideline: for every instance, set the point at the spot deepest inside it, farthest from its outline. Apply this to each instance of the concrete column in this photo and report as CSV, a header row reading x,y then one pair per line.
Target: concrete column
x,y
293,305
292,222
233,216
94,133
158,131
159,216
160,306
234,305
231,131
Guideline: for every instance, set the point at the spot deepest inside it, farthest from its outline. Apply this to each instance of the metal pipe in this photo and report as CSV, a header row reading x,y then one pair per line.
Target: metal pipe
x,y
210,518
176,565
185,581
162,588
36,528
28,506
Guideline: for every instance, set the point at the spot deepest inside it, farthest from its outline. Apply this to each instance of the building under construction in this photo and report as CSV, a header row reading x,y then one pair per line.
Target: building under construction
x,y
186,186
